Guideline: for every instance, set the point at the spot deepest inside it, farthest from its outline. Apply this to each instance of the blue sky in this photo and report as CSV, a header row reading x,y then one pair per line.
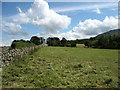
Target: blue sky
x,y
92,15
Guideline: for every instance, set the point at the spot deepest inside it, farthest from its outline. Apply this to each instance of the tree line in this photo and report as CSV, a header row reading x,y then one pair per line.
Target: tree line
x,y
51,41
104,42
55,41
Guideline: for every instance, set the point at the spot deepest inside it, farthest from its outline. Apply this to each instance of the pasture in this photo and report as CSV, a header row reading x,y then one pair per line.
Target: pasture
x,y
63,67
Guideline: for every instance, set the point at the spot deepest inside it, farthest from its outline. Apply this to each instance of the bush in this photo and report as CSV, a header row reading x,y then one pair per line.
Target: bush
x,y
20,44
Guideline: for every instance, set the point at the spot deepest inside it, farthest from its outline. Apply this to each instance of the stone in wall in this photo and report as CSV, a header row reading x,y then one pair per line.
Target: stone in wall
x,y
7,57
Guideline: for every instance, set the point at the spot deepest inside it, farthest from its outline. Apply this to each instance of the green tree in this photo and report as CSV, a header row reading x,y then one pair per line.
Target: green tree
x,y
86,43
35,40
73,44
64,42
101,42
53,41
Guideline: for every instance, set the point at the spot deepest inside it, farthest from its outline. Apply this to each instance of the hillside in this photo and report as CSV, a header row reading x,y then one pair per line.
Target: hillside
x,y
111,32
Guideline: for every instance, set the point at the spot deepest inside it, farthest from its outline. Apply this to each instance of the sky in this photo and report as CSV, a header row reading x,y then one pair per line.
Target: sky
x,y
72,20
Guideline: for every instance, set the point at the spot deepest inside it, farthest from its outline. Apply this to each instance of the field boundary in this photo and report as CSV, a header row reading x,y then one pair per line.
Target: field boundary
x,y
7,57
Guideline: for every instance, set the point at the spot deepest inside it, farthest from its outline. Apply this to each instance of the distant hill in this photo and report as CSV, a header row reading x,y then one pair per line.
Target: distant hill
x,y
111,32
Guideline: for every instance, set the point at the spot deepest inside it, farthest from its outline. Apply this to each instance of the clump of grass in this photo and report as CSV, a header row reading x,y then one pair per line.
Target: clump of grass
x,y
78,66
108,81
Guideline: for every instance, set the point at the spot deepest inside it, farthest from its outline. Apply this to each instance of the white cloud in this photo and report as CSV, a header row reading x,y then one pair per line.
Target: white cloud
x,y
97,11
5,43
42,16
19,9
88,28
21,18
86,7
13,29
94,26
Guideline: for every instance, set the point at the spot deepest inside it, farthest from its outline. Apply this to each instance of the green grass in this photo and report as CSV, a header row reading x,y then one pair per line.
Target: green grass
x,y
63,67
80,45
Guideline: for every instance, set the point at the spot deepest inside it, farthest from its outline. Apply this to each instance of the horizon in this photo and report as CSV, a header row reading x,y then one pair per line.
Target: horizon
x,y
72,20
59,38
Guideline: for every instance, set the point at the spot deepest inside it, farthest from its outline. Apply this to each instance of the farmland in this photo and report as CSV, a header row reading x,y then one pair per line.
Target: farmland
x,y
63,67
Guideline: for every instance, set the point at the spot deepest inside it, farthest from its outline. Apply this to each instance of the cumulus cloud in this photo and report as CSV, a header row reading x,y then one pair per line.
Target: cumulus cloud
x,y
13,29
21,18
89,28
94,26
97,11
42,16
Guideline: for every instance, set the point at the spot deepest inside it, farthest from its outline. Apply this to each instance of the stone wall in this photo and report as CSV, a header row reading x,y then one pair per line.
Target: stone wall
x,y
7,57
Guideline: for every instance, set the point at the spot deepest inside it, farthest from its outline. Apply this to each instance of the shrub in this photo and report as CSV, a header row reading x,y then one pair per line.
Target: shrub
x,y
21,44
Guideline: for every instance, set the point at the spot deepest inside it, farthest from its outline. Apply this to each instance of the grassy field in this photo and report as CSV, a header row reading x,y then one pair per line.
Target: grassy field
x,y
63,67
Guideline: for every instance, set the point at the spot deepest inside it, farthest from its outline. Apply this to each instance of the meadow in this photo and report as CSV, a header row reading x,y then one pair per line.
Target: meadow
x,y
63,67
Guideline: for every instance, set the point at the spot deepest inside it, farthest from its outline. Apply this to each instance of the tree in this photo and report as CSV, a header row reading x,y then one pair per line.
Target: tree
x,y
86,43
35,40
53,41
105,42
101,42
73,44
92,38
42,40
64,42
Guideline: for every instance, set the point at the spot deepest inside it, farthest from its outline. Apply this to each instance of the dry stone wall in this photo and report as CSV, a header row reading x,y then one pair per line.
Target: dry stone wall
x,y
7,57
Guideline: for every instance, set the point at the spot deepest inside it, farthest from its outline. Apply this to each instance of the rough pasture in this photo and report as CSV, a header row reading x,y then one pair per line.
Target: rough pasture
x,y
64,67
